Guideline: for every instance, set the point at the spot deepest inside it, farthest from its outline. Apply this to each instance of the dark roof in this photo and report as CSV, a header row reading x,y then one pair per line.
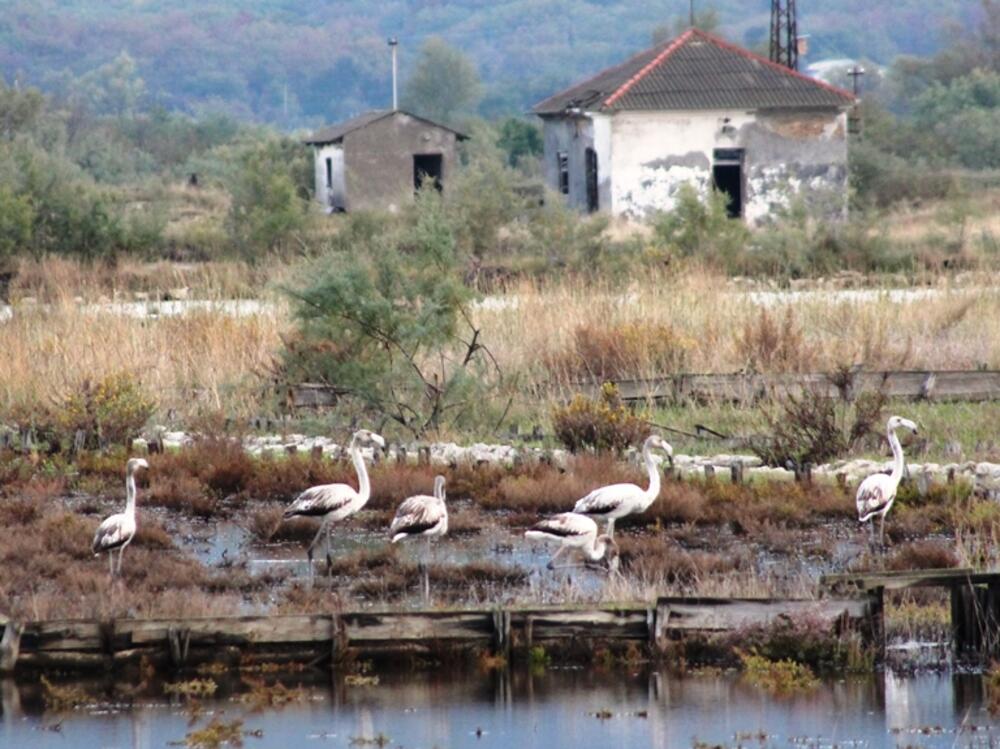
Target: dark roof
x,y
697,70
334,133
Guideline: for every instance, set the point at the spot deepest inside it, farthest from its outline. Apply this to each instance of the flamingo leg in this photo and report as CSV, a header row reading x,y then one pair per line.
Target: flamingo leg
x,y
119,568
329,551
312,544
881,536
611,527
111,563
559,552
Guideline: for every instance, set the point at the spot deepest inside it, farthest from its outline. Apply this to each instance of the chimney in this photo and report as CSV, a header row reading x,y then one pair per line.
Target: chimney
x,y
393,45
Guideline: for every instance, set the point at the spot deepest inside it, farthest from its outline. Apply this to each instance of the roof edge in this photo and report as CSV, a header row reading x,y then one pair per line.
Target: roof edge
x,y
312,140
648,67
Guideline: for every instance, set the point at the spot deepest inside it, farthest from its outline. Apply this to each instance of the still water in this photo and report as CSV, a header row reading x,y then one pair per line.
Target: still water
x,y
557,708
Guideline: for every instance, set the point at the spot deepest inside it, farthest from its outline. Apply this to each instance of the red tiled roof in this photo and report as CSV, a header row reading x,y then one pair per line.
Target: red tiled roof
x,y
697,70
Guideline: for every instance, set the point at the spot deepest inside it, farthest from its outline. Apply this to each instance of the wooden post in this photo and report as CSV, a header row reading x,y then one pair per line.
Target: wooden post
x,y
10,646
291,449
876,621
179,641
736,472
842,481
401,455
709,472
966,634
424,455
317,452
951,476
80,441
501,632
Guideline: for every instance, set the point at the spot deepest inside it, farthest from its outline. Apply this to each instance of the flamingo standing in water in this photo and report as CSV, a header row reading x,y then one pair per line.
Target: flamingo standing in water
x,y
334,502
877,492
618,500
422,515
575,531
117,531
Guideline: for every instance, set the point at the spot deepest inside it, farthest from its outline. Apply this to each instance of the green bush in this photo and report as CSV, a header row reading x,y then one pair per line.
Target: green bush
x,y
602,424
701,227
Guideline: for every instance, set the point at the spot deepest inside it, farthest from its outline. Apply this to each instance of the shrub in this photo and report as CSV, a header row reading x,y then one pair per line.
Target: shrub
x,y
780,677
625,351
813,428
701,227
769,344
604,424
112,411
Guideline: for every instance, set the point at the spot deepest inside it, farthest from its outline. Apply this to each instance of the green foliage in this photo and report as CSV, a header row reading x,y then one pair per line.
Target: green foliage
x,y
702,227
17,216
268,207
19,110
520,140
780,677
604,424
444,84
110,412
389,323
963,113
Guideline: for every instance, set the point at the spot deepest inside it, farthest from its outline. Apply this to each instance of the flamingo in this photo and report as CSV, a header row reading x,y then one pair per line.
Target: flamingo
x,y
575,531
424,516
117,531
877,492
334,502
618,500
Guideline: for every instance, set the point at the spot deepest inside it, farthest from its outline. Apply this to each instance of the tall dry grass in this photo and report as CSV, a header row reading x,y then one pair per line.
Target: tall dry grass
x,y
697,322
196,362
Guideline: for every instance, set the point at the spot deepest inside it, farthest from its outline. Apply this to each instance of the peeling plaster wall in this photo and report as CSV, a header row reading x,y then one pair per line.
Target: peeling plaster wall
x,y
652,154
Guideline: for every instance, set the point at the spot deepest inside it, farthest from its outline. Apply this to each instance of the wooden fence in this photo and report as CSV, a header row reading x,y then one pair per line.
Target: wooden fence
x,y
78,644
941,385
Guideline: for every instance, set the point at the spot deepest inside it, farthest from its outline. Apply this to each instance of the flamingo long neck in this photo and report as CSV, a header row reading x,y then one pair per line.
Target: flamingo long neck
x,y
654,477
129,493
897,456
596,549
364,488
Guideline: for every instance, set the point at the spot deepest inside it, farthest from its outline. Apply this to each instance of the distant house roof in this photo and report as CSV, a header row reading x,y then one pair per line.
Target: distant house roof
x,y
334,133
697,70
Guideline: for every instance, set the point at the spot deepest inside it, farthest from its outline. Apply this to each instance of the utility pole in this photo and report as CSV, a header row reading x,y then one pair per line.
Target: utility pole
x,y
855,72
393,45
784,34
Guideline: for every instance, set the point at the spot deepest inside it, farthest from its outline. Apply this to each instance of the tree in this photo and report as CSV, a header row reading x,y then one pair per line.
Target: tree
x,y
444,84
519,139
114,88
389,324
18,109
267,205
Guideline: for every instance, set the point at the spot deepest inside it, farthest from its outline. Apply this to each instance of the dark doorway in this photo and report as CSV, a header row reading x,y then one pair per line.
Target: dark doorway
x,y
727,177
427,166
591,164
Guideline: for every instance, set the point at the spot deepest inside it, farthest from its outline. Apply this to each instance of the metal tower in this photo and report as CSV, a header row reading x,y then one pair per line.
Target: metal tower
x,y
784,34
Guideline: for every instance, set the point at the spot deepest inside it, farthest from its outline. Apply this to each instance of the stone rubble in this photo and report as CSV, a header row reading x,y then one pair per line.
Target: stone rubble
x,y
985,477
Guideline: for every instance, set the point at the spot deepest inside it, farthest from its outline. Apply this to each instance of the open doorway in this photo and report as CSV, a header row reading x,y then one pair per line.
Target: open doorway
x,y
593,198
427,166
727,177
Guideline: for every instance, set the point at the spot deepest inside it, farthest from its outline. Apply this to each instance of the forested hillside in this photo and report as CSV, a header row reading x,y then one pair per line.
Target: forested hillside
x,y
295,64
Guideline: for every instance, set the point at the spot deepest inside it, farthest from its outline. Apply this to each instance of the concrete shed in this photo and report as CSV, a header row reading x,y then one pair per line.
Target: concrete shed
x,y
376,161
697,110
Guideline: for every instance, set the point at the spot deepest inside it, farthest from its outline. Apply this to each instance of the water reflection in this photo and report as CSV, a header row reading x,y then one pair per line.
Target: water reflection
x,y
580,708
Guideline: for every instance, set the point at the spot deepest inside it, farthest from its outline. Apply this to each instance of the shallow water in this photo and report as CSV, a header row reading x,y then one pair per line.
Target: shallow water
x,y
557,708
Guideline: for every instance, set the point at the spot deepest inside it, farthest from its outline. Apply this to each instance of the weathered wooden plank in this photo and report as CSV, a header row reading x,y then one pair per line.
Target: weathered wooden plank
x,y
906,579
723,614
228,630
360,628
78,635
605,624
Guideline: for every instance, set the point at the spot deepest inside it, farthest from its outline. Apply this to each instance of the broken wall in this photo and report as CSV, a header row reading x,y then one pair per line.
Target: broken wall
x,y
786,154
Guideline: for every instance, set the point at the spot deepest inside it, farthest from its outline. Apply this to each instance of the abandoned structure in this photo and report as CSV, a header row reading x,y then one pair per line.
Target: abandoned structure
x,y
377,161
697,110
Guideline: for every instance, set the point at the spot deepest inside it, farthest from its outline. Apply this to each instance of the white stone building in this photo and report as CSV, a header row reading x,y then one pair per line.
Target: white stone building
x,y
697,110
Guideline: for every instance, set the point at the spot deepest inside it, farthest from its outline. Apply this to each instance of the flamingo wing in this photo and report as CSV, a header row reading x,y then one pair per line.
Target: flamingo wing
x,y
321,500
417,515
566,525
607,499
113,532
874,495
